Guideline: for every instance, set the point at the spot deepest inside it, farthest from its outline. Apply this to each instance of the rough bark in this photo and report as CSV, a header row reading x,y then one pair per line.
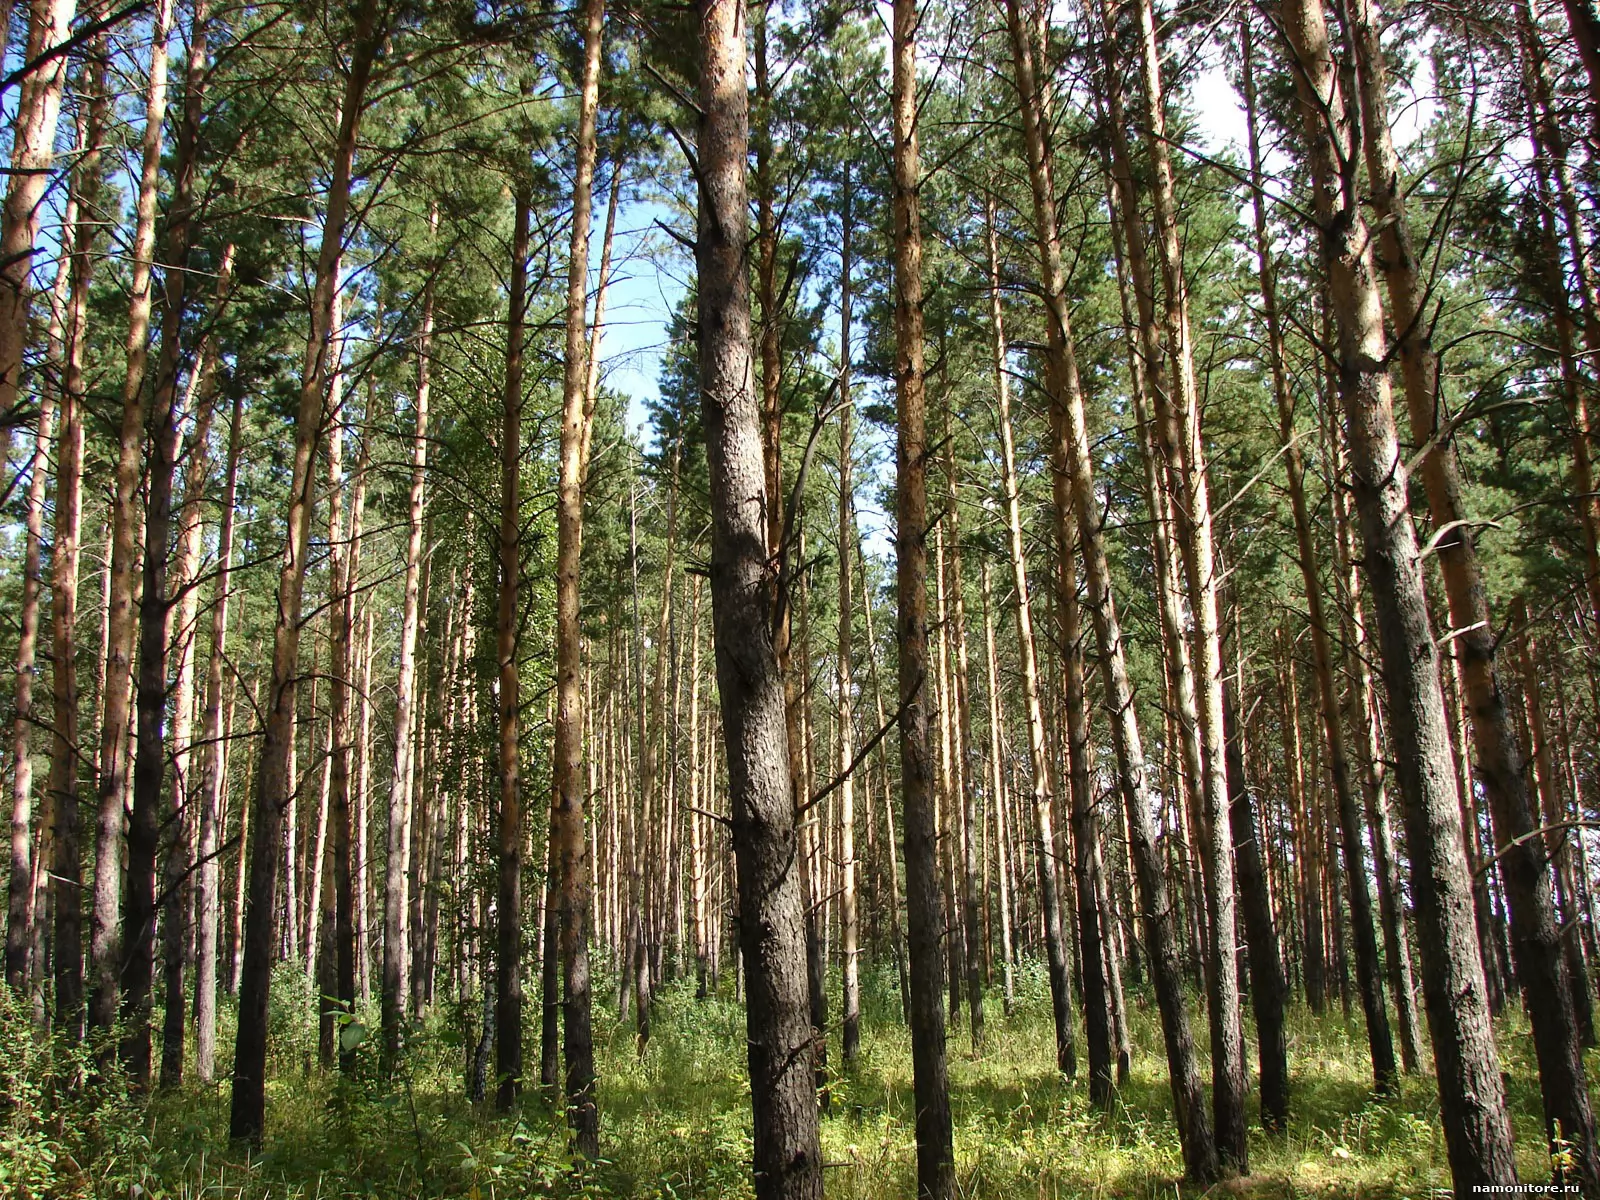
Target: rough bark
x,y
1071,436
108,950
66,869
924,915
787,1153
567,834
1472,1098
850,975
32,155
509,836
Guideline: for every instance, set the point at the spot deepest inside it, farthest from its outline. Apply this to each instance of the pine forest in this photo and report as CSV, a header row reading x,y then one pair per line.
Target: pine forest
x,y
798,598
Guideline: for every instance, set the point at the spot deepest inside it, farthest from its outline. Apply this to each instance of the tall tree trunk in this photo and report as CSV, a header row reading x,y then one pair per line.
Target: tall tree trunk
x,y
1524,868
508,898
343,570
19,892
118,961
1038,751
403,777
1181,435
849,934
925,920
66,869
567,833
179,935
965,807
1073,458
1380,1043
155,608
1472,1097
787,1153
209,787
32,155
1267,985
997,802
1085,817
274,782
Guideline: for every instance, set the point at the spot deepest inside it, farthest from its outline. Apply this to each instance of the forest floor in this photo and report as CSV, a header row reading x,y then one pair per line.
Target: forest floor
x,y
676,1122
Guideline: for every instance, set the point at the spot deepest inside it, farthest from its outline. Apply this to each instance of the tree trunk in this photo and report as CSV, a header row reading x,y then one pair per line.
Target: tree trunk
x,y
179,935
66,868
1038,753
1472,1098
1181,435
32,155
116,960
1380,1044
787,1153
997,802
209,787
274,783
1072,455
1524,869
19,892
925,920
508,899
849,935
567,833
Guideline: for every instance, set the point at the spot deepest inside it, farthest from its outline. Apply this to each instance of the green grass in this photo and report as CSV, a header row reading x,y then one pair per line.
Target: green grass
x,y
676,1122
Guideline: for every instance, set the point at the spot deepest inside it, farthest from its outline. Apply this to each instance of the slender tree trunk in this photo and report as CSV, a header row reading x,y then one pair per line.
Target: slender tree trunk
x,y
403,778
1472,1098
274,783
117,961
787,1153
571,880
997,802
850,982
935,1151
19,893
1184,449
1084,811
32,156
1267,986
508,899
343,570
1038,752
66,870
1380,1043
209,787
27,929
184,900
1073,456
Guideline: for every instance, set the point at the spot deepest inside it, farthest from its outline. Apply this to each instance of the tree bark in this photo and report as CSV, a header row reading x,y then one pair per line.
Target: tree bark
x,y
787,1153
925,920
508,898
210,786
1072,450
850,976
567,833
1472,1098
115,960
19,891
66,869
32,156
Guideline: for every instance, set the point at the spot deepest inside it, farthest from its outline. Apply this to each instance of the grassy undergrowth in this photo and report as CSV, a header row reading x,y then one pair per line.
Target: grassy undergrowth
x,y
676,1121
